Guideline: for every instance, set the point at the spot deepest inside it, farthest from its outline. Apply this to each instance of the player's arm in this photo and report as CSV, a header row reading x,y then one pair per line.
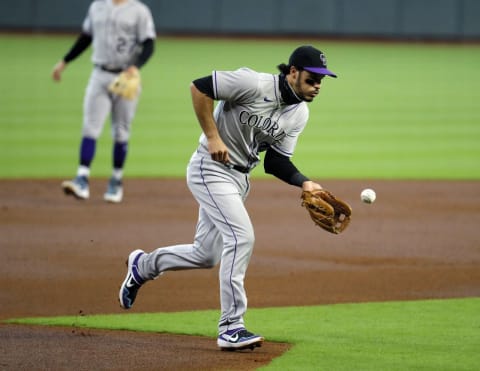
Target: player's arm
x,y
148,47
82,43
202,99
283,168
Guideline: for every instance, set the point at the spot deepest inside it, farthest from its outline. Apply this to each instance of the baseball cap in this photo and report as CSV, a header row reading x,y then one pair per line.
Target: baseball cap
x,y
310,59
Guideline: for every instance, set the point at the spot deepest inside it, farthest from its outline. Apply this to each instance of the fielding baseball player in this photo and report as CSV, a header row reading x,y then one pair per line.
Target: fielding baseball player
x,y
122,34
256,112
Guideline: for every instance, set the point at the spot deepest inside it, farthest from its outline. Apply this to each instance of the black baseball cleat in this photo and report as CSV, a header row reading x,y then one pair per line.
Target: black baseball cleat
x,y
132,282
239,339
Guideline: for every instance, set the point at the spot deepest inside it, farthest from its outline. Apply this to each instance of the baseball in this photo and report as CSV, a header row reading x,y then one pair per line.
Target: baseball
x,y
368,196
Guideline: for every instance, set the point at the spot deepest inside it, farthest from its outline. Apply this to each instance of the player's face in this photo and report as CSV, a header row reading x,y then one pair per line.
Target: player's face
x,y
307,85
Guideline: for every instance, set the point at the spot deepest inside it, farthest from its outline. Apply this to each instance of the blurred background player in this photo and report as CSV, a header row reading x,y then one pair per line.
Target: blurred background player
x,y
122,34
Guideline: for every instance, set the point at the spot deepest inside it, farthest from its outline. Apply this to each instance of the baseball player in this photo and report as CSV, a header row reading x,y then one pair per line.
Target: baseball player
x,y
255,112
122,34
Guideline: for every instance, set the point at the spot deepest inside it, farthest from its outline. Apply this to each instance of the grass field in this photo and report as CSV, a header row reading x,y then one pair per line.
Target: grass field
x,y
397,111
420,335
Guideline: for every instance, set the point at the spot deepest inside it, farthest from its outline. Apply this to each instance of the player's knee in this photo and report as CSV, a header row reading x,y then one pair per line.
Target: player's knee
x,y
211,260
210,263
90,132
246,238
121,136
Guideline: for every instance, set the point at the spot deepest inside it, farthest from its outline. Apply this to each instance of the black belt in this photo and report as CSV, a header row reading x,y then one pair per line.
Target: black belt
x,y
107,69
244,170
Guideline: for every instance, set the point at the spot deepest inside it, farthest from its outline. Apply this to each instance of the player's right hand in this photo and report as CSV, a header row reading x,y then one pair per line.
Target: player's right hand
x,y
218,150
57,71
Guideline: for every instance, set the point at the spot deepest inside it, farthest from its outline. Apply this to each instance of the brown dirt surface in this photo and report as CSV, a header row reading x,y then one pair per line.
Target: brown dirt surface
x,y
61,256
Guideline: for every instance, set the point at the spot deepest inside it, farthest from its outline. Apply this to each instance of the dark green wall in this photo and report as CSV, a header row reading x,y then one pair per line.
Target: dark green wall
x,y
434,19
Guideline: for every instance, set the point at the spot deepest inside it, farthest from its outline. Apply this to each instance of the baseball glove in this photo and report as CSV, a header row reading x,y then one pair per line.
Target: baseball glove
x,y
326,210
126,85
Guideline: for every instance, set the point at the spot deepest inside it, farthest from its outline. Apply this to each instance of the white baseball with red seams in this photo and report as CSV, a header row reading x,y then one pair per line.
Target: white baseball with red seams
x,y
368,196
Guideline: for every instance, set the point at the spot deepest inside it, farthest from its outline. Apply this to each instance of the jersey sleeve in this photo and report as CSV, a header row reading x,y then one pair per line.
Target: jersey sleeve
x,y
286,146
235,86
146,26
87,23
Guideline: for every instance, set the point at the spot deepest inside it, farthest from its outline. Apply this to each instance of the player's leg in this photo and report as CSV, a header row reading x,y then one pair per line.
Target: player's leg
x,y
96,107
227,211
208,245
233,221
123,112
205,252
221,193
224,231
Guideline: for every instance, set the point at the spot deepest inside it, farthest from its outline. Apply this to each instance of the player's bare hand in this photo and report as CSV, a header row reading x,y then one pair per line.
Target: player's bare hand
x,y
218,150
57,71
221,157
310,186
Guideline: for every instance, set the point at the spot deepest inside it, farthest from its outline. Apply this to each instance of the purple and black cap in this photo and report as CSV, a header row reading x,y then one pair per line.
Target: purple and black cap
x,y
310,59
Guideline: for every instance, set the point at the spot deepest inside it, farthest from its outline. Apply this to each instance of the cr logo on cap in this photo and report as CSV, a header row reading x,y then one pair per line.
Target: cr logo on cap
x,y
323,59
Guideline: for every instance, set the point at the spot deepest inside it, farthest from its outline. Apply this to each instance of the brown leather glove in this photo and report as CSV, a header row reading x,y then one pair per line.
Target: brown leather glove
x,y
326,210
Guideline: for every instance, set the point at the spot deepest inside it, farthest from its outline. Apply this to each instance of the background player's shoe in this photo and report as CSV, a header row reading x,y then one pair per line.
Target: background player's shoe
x,y
239,339
77,187
132,282
114,191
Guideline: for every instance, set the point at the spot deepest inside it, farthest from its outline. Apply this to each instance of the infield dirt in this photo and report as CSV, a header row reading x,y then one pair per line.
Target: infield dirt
x,y
60,256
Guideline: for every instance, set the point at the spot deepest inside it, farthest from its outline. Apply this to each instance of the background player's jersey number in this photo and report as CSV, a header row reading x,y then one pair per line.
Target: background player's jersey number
x,y
123,45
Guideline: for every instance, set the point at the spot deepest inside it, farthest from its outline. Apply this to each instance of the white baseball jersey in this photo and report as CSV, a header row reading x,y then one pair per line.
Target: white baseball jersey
x,y
251,115
117,31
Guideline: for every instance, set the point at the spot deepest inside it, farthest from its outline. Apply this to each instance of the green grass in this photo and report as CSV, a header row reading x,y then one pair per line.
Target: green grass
x,y
396,110
415,335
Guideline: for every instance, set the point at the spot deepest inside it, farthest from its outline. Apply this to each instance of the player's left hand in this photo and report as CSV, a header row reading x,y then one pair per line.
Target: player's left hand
x,y
327,211
310,186
126,84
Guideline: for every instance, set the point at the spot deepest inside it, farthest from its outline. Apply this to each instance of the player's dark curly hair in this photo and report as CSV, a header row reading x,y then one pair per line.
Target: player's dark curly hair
x,y
284,68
